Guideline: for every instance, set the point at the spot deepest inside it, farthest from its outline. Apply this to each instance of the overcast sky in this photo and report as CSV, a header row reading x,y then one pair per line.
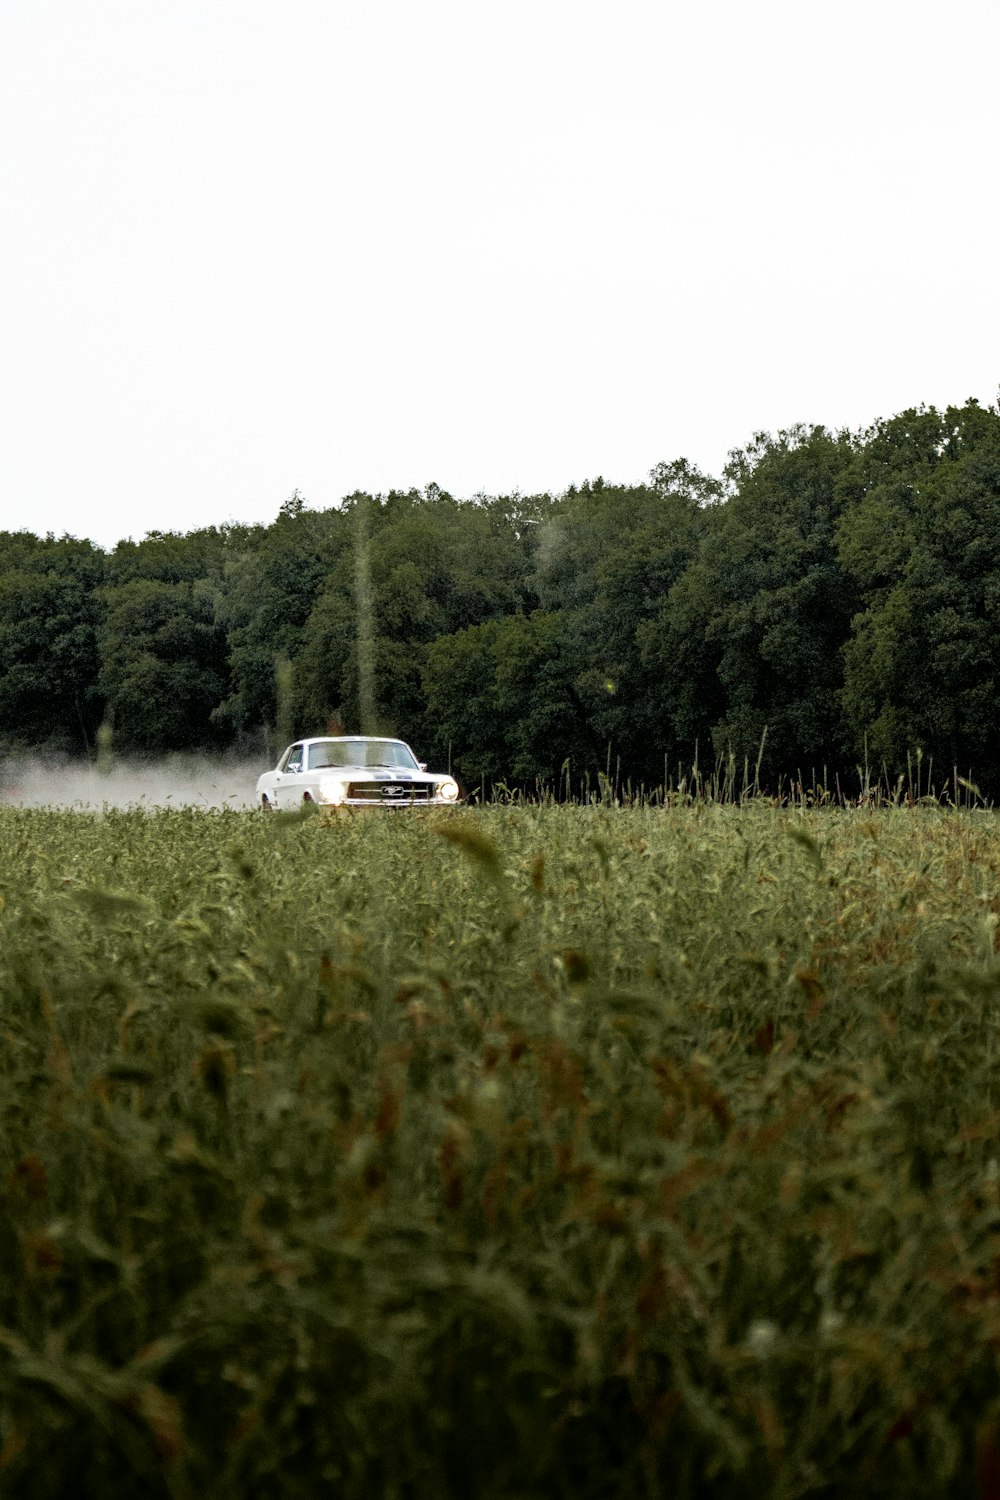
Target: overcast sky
x,y
331,245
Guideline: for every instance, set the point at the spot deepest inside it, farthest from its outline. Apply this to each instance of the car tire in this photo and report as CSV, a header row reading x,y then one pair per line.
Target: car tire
x,y
265,806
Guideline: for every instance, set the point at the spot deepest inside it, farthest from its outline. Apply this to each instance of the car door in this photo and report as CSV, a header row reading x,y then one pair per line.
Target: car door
x,y
288,780
310,772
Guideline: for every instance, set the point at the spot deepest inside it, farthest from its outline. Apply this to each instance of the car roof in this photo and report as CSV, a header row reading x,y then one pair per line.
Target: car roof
x,y
340,739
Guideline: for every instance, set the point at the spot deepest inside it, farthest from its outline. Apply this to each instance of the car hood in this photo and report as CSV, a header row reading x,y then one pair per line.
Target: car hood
x,y
375,773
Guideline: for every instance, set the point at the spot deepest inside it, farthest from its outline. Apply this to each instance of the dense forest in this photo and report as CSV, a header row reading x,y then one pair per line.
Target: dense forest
x,y
833,598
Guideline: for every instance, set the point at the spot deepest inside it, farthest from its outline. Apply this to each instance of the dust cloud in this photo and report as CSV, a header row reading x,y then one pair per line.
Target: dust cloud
x,y
41,780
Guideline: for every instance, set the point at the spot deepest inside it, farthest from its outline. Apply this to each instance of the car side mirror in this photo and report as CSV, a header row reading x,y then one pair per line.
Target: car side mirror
x,y
422,764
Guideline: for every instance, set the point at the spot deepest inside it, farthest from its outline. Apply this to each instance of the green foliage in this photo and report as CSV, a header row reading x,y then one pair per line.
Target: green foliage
x,y
750,638
835,597
921,538
49,609
608,560
503,696
162,663
176,557
432,567
574,1153
271,583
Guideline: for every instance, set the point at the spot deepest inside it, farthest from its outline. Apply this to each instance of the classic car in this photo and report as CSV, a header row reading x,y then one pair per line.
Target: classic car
x,y
353,771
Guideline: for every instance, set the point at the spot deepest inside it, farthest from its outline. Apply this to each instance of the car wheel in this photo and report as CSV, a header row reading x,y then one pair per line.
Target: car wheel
x,y
266,806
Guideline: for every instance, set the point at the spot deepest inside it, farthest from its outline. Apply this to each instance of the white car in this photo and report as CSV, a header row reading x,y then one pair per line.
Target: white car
x,y
353,771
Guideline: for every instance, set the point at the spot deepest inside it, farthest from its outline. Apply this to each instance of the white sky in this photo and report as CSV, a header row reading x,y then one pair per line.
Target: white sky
x,y
250,247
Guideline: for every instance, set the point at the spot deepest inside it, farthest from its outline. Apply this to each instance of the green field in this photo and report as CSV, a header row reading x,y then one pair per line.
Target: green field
x,y
531,1152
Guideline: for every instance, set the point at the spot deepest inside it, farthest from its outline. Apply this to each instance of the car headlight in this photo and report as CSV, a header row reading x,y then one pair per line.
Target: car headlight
x,y
332,793
448,790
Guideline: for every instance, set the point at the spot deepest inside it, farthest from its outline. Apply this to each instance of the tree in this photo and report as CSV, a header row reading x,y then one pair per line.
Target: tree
x,y
920,540
271,580
162,664
502,697
750,638
49,612
427,566
607,561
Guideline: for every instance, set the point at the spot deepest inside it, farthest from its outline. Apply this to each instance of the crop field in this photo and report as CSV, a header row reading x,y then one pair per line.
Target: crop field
x,y
525,1152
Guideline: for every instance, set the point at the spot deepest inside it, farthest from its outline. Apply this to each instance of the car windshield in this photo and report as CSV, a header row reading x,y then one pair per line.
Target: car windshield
x,y
391,753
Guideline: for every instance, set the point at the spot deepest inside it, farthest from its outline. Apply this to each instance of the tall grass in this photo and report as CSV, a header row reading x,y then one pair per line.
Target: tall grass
x,y
728,781
557,1150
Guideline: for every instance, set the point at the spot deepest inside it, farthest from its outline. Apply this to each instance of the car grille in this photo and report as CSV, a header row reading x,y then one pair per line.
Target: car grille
x,y
390,792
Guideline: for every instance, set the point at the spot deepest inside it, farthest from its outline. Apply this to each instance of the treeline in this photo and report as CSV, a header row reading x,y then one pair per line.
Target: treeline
x,y
832,597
